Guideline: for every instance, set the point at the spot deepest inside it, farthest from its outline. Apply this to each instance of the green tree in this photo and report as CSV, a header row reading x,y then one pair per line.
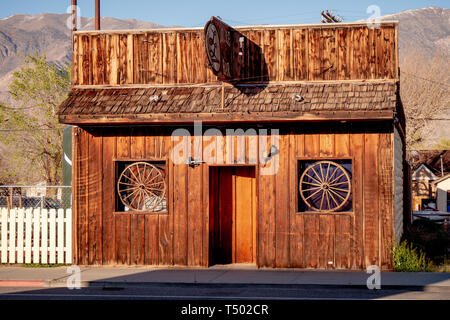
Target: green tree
x,y
30,130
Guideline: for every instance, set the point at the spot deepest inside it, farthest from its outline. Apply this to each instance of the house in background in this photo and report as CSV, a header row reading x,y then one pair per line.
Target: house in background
x,y
422,187
442,191
427,166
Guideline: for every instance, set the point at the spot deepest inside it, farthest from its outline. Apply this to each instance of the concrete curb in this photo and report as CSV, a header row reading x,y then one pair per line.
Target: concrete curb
x,y
123,285
22,283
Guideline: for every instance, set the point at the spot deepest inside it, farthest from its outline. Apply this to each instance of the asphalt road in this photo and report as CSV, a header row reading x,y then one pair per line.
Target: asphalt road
x,y
199,292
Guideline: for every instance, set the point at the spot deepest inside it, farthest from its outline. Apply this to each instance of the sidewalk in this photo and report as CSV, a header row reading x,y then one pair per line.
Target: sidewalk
x,y
218,276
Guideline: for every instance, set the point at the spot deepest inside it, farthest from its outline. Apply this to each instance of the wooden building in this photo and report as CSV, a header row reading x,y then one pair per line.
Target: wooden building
x,y
284,150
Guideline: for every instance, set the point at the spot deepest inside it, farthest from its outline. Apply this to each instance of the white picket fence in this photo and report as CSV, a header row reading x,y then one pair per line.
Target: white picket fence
x,y
34,235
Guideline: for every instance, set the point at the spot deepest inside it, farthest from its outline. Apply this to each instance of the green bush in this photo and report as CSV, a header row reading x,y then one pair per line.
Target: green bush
x,y
407,258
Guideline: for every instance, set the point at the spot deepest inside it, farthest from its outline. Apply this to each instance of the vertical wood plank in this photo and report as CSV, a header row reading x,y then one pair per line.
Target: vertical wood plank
x,y
152,236
270,54
20,234
85,66
123,222
108,196
137,224
94,212
44,240
36,235
364,47
123,59
183,57
52,234
311,221
137,68
371,212
344,238
199,60
75,60
389,52
169,57
315,55
284,55
114,59
356,72
300,68
143,57
60,235
180,214
166,222
386,195
344,53
372,54
329,52
194,206
28,234
11,226
83,226
155,73
326,241
380,53
130,59
4,235
296,150
68,235
98,59
282,203
357,222
266,212
326,221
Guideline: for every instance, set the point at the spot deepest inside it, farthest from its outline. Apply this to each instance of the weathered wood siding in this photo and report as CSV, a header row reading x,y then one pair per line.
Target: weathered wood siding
x,y
295,53
284,237
398,185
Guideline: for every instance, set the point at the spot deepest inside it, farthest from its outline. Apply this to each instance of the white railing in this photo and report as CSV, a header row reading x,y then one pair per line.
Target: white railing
x,y
35,235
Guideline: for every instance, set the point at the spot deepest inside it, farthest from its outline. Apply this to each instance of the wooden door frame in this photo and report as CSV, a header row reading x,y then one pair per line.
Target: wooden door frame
x,y
207,211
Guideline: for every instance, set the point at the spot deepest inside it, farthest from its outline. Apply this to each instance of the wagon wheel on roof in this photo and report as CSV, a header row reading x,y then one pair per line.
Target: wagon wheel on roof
x,y
325,186
141,186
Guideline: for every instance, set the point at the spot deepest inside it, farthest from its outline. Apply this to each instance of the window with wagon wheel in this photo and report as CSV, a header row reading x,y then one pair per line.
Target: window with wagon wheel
x,y
325,185
141,186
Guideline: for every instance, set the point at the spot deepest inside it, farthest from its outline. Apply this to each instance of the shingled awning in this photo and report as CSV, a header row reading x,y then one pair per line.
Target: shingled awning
x,y
244,103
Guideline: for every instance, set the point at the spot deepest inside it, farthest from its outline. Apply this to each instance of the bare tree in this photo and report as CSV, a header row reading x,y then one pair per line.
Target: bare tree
x,y
425,94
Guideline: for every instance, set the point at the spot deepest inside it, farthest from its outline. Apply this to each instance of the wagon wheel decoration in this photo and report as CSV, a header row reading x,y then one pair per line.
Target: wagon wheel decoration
x,y
325,186
141,186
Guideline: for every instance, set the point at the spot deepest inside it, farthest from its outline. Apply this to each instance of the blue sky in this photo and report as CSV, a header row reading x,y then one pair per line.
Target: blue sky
x,y
235,12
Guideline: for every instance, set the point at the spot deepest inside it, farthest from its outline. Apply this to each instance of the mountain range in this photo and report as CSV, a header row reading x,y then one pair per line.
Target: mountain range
x,y
424,31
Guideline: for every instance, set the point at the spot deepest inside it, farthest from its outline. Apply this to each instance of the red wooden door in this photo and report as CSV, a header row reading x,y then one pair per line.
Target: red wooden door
x,y
232,215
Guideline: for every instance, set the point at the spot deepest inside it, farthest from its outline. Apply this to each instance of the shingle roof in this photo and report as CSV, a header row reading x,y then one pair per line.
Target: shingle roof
x,y
185,101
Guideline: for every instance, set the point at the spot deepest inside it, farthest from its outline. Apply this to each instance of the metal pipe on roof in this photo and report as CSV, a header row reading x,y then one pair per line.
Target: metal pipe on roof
x,y
74,15
97,14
